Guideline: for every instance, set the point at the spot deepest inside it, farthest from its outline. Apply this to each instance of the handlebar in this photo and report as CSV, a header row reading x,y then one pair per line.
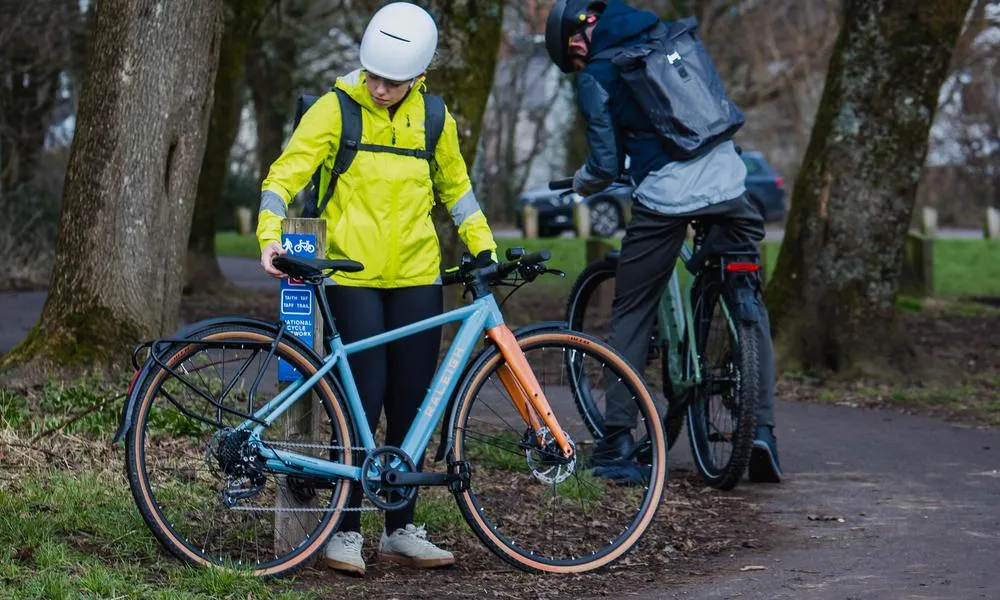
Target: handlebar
x,y
496,272
561,184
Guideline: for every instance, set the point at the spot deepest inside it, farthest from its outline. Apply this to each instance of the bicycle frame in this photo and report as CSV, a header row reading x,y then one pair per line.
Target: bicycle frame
x,y
483,314
676,321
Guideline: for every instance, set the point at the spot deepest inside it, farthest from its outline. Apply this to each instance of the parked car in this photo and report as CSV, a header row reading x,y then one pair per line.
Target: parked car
x,y
555,207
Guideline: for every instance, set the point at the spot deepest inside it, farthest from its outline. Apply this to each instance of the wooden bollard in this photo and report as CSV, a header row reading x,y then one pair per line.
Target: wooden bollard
x,y
306,416
529,221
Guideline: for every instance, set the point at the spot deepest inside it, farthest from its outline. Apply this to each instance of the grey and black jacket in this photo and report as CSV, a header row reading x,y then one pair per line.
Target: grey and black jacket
x,y
617,127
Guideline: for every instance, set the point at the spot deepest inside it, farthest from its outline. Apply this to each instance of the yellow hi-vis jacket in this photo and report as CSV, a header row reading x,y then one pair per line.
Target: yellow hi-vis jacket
x,y
380,211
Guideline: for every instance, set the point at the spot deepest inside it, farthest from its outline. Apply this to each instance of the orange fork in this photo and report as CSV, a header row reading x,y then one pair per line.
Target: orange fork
x,y
522,385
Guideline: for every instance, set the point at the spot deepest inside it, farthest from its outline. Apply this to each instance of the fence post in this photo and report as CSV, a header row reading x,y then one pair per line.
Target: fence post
x,y
305,416
917,275
581,220
529,221
244,220
928,222
991,223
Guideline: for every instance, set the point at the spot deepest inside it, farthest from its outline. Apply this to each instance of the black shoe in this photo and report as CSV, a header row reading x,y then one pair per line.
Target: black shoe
x,y
764,465
614,460
617,445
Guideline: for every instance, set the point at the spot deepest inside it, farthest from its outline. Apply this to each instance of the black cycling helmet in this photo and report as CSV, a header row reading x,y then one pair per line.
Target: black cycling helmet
x,y
566,18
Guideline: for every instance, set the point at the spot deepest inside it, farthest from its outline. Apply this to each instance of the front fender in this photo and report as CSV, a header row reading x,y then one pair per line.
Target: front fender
x,y
187,333
447,424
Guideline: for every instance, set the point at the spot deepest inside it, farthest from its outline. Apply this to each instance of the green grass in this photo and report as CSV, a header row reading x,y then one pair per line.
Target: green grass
x,y
230,243
961,267
967,267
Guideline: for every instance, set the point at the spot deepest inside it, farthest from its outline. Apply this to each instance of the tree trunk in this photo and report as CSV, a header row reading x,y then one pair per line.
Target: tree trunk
x,y
468,40
271,63
130,186
35,48
203,273
833,294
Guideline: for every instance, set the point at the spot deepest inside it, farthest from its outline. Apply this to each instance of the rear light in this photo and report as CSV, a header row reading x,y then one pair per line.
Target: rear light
x,y
778,181
132,383
742,267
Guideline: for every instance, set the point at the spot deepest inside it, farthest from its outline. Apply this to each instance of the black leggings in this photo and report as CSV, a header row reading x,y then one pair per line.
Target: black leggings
x,y
395,375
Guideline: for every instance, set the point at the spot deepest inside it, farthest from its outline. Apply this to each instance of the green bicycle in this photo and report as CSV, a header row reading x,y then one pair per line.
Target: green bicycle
x,y
708,357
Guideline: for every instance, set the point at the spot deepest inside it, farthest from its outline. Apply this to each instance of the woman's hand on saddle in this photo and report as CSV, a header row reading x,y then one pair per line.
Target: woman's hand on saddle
x,y
267,256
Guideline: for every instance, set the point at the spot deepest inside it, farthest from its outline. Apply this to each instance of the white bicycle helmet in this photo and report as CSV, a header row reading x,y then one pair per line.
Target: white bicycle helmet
x,y
399,42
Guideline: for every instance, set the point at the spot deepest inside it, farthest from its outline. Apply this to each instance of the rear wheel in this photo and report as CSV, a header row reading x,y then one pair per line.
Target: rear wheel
x,y
722,415
200,485
535,508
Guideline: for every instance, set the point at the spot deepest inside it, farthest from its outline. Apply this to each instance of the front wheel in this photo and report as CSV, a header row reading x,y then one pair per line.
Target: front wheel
x,y
535,508
722,415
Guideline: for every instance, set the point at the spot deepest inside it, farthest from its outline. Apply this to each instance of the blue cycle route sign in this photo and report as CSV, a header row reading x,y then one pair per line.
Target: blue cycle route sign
x,y
297,300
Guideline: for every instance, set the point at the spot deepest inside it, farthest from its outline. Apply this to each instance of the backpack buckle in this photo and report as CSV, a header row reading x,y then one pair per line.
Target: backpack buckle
x,y
673,57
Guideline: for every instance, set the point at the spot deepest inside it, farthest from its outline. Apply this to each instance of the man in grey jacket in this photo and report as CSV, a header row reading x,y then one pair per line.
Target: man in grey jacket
x,y
668,195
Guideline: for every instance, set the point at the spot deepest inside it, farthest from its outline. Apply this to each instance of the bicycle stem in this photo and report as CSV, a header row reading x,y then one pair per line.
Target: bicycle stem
x,y
525,378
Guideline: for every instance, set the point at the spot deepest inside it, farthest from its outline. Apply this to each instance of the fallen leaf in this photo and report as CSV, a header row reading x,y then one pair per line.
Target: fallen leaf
x,y
753,568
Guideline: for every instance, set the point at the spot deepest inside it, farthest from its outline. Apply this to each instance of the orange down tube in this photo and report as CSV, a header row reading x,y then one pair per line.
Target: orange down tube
x,y
526,383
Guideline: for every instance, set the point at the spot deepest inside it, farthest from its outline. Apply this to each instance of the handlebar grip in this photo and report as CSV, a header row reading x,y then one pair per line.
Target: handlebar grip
x,y
452,277
536,257
561,184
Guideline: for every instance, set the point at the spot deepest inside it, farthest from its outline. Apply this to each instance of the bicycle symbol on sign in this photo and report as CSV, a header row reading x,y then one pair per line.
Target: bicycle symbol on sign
x,y
299,246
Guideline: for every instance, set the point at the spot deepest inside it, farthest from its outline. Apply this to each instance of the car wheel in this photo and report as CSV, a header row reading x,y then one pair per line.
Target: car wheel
x,y
605,219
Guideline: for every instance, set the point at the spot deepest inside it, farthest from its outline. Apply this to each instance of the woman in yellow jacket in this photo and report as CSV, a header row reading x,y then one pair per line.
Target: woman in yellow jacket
x,y
379,215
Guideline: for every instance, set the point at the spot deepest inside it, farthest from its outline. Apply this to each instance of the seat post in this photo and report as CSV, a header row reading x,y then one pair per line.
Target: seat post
x,y
329,323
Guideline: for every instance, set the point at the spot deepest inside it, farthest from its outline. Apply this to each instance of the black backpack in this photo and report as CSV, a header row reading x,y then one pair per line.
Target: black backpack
x,y
675,84
350,143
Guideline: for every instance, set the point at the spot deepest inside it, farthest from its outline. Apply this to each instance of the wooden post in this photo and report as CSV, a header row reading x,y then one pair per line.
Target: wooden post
x,y
304,418
529,221
244,220
928,222
917,275
991,224
581,219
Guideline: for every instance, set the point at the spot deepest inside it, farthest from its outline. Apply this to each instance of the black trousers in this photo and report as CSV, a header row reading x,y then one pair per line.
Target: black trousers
x,y
393,376
649,253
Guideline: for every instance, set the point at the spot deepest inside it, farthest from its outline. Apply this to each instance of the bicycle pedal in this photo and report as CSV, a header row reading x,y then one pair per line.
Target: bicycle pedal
x,y
460,474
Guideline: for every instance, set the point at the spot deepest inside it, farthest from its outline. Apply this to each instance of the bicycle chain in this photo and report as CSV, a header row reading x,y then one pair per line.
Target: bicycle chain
x,y
321,510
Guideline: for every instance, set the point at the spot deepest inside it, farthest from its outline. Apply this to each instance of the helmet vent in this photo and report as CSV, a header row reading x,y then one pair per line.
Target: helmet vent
x,y
395,37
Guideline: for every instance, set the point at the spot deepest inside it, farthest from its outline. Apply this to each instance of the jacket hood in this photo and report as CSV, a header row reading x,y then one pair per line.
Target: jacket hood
x,y
619,24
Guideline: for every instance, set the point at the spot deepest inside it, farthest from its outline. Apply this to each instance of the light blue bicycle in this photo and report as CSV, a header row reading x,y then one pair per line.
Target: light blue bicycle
x,y
232,469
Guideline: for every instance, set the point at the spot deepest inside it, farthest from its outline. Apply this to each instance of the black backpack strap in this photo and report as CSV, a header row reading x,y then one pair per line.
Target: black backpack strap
x,y
434,114
303,104
350,143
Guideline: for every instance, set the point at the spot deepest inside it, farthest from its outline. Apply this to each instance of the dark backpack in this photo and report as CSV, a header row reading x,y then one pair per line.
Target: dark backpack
x,y
675,84
350,143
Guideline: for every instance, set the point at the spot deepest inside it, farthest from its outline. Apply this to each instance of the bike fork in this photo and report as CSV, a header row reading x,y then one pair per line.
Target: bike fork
x,y
522,385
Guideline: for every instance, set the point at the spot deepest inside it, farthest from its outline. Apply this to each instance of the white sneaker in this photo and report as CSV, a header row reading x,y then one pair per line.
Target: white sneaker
x,y
410,546
343,552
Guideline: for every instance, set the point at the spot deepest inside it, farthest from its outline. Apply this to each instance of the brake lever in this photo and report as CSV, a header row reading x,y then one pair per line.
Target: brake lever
x,y
548,271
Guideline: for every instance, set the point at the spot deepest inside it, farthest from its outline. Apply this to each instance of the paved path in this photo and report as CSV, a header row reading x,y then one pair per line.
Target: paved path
x,y
919,499
20,310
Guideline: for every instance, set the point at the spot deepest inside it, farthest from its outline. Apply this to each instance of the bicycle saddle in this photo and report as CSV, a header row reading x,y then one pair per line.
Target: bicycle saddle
x,y
310,268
